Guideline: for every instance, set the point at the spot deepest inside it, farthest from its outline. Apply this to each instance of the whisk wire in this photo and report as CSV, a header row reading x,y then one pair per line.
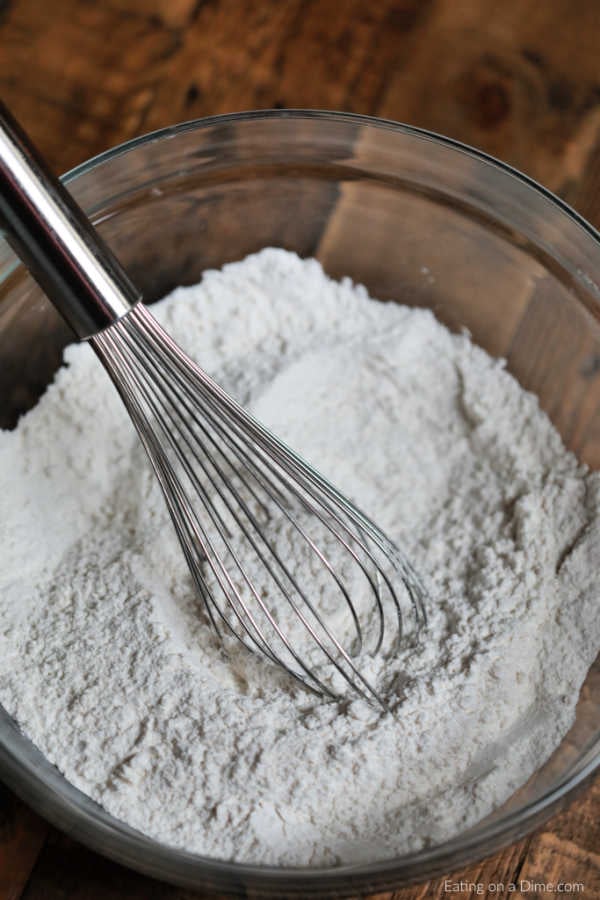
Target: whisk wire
x,y
241,473
297,468
227,483
178,510
243,457
186,521
266,481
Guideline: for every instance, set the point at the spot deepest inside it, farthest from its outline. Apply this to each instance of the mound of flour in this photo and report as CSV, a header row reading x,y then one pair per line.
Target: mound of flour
x,y
106,664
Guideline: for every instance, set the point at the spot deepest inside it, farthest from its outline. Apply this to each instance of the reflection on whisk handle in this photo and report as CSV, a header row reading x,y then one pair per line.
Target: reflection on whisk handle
x,y
53,236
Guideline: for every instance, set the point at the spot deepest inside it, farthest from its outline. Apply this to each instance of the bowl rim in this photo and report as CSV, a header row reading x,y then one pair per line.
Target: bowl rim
x,y
161,860
189,125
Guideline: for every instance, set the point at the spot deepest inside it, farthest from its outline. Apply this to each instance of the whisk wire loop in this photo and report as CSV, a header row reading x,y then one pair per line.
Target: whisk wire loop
x,y
227,484
234,492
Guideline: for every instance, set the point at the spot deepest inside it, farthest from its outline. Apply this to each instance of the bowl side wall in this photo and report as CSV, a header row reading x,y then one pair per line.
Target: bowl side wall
x,y
415,220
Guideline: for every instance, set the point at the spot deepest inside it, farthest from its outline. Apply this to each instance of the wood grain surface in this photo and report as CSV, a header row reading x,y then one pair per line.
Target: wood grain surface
x,y
518,78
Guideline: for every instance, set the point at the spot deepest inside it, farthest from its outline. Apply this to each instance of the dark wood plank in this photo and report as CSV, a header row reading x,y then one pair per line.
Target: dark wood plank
x,y
518,79
553,860
68,871
556,354
22,835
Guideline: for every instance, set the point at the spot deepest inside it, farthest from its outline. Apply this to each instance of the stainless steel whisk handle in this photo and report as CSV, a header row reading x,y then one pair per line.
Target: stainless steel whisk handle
x,y
55,239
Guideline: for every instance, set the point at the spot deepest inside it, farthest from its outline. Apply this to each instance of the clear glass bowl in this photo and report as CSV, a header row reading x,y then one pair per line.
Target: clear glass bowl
x,y
416,218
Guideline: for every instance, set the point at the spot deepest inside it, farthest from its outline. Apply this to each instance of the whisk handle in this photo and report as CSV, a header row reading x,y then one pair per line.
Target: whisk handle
x,y
55,239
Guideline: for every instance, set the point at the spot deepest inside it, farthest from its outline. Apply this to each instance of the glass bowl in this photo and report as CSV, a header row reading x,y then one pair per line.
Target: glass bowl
x,y
413,216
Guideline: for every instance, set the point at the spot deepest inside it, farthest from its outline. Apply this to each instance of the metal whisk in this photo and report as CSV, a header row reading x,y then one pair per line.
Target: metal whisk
x,y
242,503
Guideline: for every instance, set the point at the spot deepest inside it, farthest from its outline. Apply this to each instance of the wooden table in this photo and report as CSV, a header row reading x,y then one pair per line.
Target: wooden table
x,y
520,78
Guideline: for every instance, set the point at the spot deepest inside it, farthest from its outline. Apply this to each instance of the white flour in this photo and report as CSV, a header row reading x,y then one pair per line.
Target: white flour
x,y
103,662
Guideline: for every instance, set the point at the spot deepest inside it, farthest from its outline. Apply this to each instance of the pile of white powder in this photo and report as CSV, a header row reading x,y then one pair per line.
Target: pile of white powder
x,y
103,662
